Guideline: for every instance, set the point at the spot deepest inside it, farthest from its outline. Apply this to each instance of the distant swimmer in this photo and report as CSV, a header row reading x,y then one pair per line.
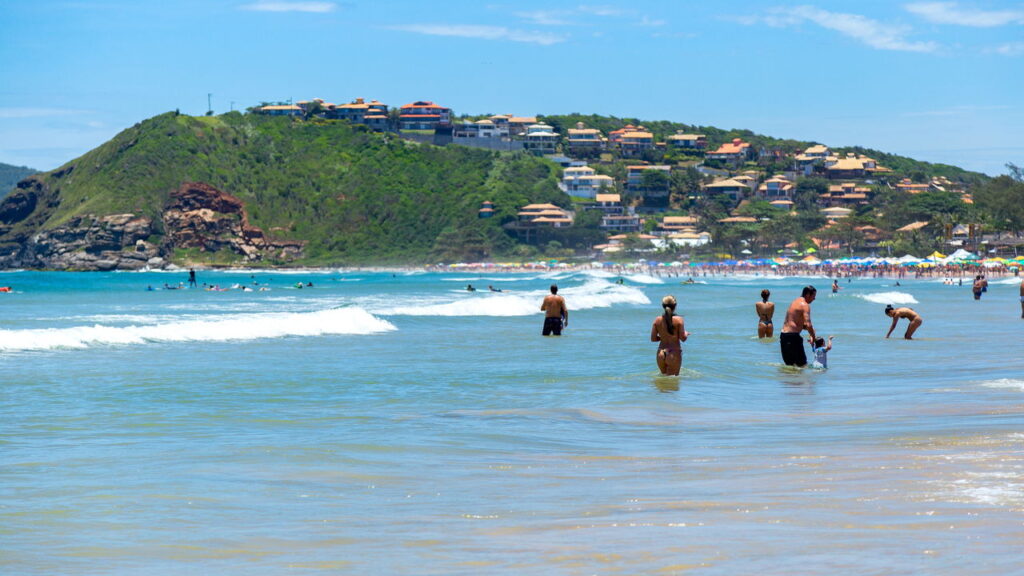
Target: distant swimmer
x,y
835,286
798,318
5,288
909,314
765,312
469,288
976,288
690,280
669,332
493,289
821,350
556,315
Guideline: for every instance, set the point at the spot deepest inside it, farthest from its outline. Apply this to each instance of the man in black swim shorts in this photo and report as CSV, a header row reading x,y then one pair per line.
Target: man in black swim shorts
x,y
556,315
798,317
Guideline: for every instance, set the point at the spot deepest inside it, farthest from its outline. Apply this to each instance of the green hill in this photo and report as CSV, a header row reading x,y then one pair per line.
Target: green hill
x,y
11,175
350,195
255,190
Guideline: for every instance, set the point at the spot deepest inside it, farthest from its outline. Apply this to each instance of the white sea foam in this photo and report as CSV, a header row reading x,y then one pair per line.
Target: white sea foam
x,y
219,329
893,298
1005,383
644,279
592,294
1014,281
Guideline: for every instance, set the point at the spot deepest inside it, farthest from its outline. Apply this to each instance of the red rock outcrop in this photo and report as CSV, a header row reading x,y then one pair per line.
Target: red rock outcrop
x,y
200,216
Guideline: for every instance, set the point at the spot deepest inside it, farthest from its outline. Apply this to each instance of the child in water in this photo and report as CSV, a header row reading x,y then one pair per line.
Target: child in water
x,y
821,352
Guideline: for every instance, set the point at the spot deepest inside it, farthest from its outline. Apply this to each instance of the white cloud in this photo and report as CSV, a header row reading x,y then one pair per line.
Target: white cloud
x,y
266,6
546,17
1009,49
861,28
951,13
482,33
599,10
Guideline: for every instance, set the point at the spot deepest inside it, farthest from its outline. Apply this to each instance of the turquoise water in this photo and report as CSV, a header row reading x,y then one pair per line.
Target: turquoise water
x,y
398,424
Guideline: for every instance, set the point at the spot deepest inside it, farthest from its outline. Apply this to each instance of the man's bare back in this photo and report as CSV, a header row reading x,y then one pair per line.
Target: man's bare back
x,y
554,307
556,314
798,317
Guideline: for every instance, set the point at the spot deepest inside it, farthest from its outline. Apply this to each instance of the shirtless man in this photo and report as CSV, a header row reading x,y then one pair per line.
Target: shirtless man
x,y
909,314
556,315
669,332
798,317
765,311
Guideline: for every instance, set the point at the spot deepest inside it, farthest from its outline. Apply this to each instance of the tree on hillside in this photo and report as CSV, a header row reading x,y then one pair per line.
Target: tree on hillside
x,y
1002,199
808,190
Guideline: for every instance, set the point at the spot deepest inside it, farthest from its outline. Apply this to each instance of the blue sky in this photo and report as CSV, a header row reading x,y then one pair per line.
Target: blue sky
x,y
937,81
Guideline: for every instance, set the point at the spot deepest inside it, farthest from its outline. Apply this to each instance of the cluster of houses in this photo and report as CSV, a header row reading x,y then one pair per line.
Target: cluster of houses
x,y
849,174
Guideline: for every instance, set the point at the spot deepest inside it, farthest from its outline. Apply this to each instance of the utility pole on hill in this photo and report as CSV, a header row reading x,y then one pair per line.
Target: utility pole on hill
x,y
209,105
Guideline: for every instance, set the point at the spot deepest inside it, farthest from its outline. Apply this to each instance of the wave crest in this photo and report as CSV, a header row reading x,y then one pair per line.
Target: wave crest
x,y
889,298
218,329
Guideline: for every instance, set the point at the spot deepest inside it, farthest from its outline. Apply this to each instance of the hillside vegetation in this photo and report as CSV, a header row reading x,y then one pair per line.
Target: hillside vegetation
x,y
353,196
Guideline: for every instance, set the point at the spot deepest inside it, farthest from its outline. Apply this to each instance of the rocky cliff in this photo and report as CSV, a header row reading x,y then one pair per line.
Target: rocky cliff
x,y
197,217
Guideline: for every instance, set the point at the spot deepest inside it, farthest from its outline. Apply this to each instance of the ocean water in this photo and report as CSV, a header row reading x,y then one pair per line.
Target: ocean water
x,y
380,423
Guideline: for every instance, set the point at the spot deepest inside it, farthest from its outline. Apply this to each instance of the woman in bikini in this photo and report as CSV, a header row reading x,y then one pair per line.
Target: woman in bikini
x,y
765,311
909,314
668,331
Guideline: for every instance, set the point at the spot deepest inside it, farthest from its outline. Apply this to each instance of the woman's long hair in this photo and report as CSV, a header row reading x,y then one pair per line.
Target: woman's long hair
x,y
669,304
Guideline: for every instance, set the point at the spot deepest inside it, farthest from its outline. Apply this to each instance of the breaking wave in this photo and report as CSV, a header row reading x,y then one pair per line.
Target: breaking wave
x,y
593,294
893,298
217,329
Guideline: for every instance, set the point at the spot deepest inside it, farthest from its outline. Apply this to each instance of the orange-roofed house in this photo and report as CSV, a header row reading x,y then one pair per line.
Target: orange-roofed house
x,y
776,188
373,114
544,215
734,189
847,194
519,125
852,166
615,136
683,141
584,142
280,110
634,143
735,152
907,185
609,203
423,115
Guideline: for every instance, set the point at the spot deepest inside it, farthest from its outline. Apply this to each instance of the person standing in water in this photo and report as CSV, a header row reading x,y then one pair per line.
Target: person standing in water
x,y
909,314
835,286
556,315
1022,298
765,312
798,318
192,277
669,332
